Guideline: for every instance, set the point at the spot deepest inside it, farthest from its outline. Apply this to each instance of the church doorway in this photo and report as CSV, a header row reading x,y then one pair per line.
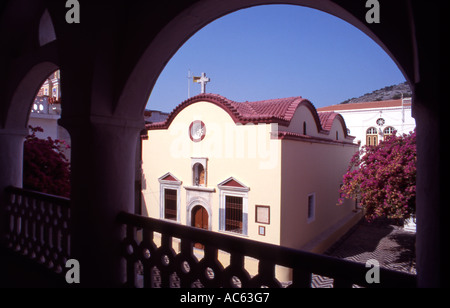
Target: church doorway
x,y
199,219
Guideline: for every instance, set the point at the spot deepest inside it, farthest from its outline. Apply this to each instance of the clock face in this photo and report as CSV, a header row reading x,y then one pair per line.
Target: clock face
x,y
197,131
380,121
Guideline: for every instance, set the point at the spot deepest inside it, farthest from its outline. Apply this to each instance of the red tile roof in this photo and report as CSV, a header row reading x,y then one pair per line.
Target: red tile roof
x,y
326,119
267,111
279,111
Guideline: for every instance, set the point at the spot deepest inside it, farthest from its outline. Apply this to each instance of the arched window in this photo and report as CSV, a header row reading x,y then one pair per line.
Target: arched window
x,y
372,131
199,175
371,136
389,131
304,128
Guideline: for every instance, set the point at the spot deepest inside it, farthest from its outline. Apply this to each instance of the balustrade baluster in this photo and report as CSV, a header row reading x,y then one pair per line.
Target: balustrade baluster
x,y
130,255
235,275
166,260
38,227
186,264
148,250
209,272
301,278
266,276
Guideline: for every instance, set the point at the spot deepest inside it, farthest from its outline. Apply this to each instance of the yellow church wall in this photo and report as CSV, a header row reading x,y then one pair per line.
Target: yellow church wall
x,y
278,173
337,127
314,168
303,114
244,152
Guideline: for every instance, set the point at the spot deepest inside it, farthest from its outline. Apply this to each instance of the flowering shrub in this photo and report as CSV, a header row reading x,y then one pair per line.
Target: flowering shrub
x,y
383,178
45,167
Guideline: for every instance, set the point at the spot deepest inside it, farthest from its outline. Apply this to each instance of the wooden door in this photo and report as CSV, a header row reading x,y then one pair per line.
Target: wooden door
x,y
372,140
200,220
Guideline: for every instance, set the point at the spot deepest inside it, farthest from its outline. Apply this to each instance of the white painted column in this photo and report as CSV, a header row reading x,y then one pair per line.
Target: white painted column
x,y
103,174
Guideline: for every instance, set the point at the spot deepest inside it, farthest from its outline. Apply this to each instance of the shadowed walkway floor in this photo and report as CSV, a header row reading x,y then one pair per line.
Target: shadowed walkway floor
x,y
390,245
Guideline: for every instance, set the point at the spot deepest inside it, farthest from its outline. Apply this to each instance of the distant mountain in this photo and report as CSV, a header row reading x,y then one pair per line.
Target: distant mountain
x,y
386,93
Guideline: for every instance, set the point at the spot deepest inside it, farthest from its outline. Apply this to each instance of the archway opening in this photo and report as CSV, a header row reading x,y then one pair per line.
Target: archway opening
x,y
276,51
199,175
225,77
200,217
47,147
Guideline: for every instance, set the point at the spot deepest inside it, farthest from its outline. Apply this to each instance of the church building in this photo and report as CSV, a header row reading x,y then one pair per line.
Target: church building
x,y
268,170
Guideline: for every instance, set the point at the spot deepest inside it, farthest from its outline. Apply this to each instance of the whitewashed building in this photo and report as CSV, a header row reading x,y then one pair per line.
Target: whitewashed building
x,y
370,122
46,111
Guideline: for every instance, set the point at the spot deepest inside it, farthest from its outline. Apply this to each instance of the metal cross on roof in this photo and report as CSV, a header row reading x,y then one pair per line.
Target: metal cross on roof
x,y
203,80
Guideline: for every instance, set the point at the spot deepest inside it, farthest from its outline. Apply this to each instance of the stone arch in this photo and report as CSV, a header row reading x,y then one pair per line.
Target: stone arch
x,y
162,48
22,97
396,34
198,202
31,55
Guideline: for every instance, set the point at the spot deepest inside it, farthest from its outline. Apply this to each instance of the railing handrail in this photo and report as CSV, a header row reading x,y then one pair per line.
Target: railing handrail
x,y
37,226
344,272
284,256
63,201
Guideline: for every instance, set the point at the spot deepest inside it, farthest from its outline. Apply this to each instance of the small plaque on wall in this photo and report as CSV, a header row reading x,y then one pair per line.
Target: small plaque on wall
x,y
263,214
261,230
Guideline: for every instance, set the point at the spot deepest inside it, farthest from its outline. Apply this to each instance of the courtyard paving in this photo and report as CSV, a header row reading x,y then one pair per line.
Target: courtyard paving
x,y
391,245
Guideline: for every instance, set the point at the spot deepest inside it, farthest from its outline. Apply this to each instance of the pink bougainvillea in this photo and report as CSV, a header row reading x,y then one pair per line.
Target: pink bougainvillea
x,y
383,178
45,167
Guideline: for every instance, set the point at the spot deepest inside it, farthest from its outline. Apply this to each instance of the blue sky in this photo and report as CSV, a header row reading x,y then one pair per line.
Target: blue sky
x,y
276,51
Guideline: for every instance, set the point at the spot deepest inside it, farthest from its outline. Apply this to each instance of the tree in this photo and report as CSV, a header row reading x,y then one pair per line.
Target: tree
x,y
383,178
45,167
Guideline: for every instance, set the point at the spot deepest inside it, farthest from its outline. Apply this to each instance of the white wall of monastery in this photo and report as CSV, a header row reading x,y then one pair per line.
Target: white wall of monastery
x,y
48,122
359,120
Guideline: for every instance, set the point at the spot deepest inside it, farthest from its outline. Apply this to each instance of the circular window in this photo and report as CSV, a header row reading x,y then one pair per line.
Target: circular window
x,y
197,131
380,121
